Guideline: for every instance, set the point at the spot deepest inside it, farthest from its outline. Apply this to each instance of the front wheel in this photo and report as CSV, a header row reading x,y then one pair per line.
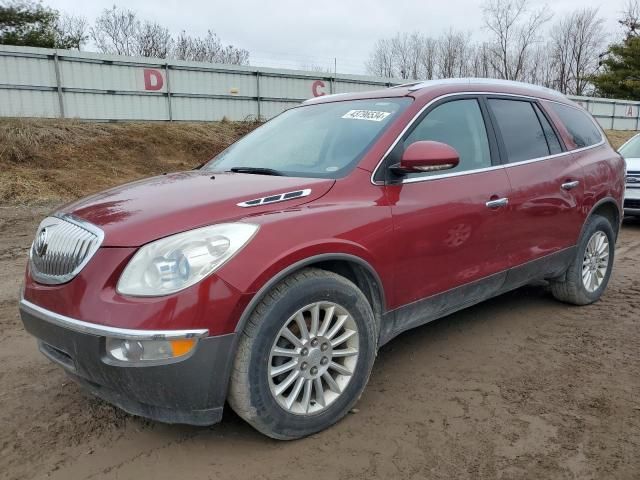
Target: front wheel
x,y
589,273
304,356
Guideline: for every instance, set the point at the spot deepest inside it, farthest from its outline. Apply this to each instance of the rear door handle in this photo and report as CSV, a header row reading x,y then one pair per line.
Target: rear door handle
x,y
497,203
570,185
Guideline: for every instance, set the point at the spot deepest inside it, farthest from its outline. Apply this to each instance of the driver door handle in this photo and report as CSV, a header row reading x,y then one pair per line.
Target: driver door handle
x,y
497,203
570,185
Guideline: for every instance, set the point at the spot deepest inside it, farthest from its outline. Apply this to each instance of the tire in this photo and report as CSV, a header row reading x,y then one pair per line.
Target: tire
x,y
575,289
253,391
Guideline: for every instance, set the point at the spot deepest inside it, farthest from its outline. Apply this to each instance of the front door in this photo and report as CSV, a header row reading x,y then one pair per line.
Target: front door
x,y
449,226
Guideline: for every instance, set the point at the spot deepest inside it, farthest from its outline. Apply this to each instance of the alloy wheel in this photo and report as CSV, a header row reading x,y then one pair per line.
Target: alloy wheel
x,y
313,358
595,261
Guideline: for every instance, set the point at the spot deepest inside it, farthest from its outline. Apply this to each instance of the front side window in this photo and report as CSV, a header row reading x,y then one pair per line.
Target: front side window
x,y
459,124
578,123
326,140
520,129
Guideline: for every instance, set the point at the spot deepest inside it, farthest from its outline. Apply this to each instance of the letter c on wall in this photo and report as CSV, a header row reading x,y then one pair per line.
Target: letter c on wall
x,y
153,79
315,88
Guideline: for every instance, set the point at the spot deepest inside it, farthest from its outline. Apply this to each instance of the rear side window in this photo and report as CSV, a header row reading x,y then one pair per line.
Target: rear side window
x,y
578,123
522,133
549,133
459,124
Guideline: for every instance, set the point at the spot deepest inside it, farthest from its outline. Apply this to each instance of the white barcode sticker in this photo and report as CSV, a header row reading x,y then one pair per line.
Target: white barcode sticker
x,y
371,115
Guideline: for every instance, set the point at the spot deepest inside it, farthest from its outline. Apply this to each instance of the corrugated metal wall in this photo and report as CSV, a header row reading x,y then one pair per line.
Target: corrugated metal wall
x,y
39,82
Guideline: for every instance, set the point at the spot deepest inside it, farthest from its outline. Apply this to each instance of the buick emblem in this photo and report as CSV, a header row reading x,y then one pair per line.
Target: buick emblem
x,y
40,245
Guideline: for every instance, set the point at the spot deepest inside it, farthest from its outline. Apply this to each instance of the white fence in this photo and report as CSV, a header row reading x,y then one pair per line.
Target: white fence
x,y
39,82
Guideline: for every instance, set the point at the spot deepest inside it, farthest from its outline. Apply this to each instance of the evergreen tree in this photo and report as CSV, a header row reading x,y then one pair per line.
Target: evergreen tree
x,y
620,77
31,24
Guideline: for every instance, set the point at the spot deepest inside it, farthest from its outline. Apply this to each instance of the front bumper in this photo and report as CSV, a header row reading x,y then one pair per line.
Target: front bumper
x,y
191,391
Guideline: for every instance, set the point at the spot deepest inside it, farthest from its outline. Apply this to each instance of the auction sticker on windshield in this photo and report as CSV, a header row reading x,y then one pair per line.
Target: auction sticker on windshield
x,y
371,115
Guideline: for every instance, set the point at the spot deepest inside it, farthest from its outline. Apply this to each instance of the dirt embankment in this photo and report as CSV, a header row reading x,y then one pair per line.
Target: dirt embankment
x,y
45,161
53,160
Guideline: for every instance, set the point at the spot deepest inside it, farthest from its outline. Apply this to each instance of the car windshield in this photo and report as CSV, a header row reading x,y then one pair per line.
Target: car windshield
x,y
631,149
325,140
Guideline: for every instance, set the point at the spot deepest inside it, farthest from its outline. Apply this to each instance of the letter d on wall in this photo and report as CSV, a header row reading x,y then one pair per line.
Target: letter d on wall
x,y
153,79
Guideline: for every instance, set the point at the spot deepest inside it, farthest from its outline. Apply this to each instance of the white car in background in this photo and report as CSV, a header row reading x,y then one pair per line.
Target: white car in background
x,y
631,153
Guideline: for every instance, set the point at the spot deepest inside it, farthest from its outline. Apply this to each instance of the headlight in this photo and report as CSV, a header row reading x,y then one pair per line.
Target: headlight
x,y
179,261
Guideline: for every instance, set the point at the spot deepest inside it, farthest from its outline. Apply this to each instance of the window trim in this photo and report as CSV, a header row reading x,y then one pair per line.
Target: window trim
x,y
469,172
504,156
541,111
494,150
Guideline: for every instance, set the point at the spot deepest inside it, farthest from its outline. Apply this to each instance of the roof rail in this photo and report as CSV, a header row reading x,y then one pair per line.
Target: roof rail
x,y
484,81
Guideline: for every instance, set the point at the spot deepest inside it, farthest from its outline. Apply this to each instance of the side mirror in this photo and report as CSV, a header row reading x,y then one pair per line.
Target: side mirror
x,y
427,156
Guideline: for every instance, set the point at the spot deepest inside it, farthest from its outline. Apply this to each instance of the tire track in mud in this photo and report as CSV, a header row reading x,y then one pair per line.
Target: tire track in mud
x,y
518,387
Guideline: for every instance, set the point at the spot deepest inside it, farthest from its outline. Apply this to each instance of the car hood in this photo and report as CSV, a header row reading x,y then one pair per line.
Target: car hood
x,y
139,212
633,164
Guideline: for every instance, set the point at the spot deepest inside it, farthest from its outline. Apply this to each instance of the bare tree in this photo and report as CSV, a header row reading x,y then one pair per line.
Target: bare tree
x,y
576,42
453,54
208,49
183,48
380,61
234,56
153,40
429,58
515,29
587,38
401,53
416,45
541,67
560,51
73,29
481,62
630,21
115,31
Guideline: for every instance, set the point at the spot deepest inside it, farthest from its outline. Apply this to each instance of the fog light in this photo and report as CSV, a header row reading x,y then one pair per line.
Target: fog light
x,y
141,351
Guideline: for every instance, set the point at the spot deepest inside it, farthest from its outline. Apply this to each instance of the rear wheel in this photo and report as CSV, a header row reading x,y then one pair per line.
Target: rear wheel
x,y
588,275
304,356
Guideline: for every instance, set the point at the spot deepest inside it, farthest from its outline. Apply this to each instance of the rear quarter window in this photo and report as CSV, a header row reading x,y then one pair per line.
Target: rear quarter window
x,y
578,123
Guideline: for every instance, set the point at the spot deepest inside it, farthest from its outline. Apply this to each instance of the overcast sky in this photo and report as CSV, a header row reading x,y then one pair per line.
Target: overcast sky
x,y
290,34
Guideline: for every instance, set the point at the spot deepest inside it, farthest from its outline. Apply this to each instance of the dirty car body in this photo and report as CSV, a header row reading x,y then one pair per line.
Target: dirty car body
x,y
380,210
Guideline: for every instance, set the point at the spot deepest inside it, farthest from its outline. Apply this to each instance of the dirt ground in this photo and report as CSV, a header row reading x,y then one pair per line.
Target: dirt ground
x,y
518,387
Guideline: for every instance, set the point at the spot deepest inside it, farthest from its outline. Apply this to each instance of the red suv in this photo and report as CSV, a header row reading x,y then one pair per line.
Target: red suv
x,y
270,276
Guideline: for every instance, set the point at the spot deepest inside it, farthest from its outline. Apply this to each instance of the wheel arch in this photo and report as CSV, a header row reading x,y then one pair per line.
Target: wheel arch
x,y
352,267
606,207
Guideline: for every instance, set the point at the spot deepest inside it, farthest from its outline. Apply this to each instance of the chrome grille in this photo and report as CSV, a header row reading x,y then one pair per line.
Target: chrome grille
x,y
633,179
62,247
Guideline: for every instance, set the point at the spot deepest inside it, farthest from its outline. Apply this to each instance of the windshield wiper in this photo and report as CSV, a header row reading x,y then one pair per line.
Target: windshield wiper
x,y
257,171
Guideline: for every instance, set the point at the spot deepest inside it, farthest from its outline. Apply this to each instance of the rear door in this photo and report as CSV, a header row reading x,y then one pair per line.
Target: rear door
x,y
547,183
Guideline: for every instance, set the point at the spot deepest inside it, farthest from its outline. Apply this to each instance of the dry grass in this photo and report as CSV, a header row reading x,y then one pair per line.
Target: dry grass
x,y
618,137
55,160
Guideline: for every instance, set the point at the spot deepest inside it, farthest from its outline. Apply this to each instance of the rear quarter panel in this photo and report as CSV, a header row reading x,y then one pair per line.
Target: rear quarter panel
x,y
604,171
603,168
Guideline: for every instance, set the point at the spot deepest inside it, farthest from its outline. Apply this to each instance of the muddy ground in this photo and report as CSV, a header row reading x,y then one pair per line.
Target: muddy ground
x,y
518,387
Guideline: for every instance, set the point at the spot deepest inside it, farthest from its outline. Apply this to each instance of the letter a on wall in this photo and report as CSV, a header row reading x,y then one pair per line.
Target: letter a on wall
x,y
153,79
